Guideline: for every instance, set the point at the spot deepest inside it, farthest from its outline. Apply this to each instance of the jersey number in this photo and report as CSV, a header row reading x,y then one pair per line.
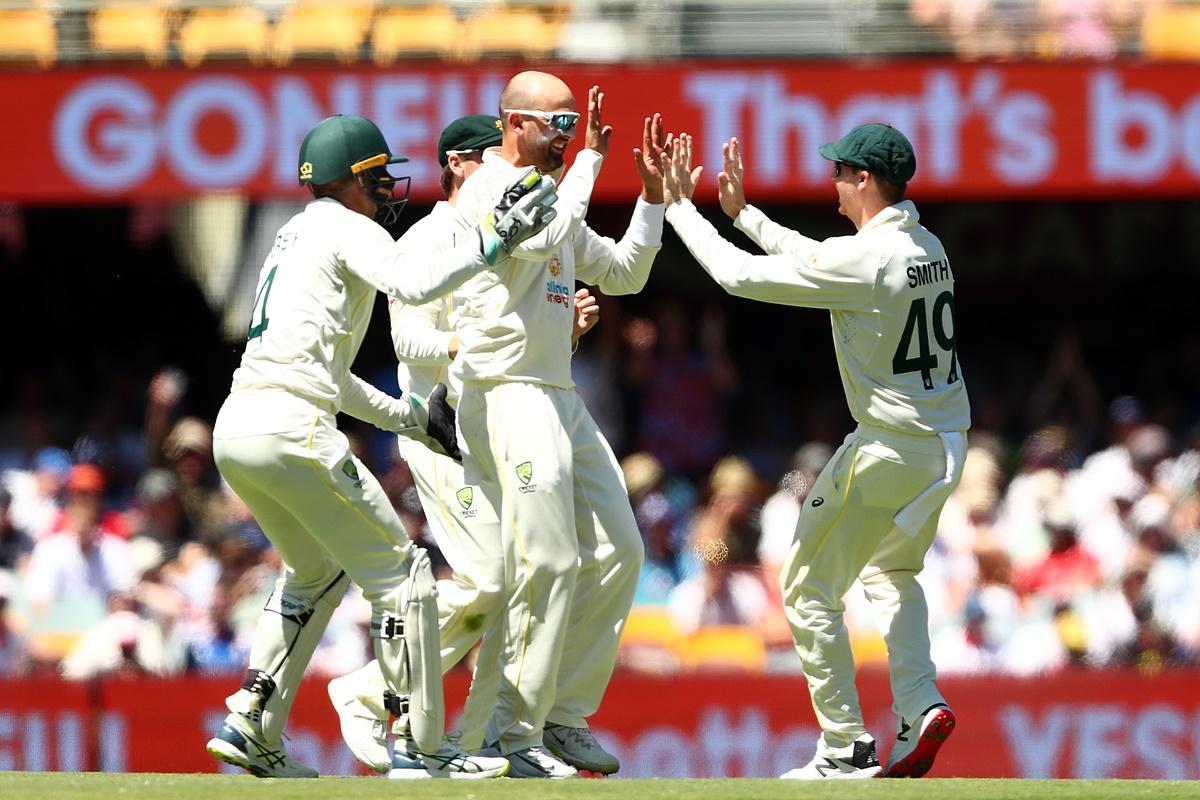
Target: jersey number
x,y
917,325
260,307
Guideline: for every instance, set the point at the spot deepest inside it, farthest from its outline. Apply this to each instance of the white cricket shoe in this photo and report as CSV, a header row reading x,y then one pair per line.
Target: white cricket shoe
x,y
917,744
451,761
532,762
580,748
863,764
240,742
364,733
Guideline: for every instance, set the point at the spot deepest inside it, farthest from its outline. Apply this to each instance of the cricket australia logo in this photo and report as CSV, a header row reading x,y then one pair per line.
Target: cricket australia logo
x,y
465,497
525,473
350,469
555,266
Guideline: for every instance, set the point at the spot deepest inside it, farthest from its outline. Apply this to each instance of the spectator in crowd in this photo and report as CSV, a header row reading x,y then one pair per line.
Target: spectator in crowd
x,y
720,594
15,544
662,527
680,387
158,515
1068,570
37,493
14,650
84,559
188,450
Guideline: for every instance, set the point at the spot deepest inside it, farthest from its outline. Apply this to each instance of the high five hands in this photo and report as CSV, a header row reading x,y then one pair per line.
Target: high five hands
x,y
679,179
649,159
730,191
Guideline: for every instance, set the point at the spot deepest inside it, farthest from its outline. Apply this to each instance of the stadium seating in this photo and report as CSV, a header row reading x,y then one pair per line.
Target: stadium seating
x,y
125,29
650,640
723,647
513,30
238,32
28,34
1171,32
315,29
407,32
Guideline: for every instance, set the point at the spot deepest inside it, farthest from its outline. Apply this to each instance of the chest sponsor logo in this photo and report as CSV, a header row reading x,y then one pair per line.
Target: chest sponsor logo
x,y
558,293
524,472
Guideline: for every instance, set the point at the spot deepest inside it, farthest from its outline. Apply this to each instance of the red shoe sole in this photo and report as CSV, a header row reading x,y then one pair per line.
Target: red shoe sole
x,y
918,762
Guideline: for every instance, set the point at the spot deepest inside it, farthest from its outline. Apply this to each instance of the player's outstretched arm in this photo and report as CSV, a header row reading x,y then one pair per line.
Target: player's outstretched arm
x,y
772,237
524,209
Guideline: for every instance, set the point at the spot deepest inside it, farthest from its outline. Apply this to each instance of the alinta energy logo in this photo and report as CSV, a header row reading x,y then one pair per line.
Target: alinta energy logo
x,y
557,292
524,472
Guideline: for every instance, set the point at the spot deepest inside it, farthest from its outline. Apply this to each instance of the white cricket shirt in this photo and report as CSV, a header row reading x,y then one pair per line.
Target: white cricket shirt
x,y
890,293
515,321
314,300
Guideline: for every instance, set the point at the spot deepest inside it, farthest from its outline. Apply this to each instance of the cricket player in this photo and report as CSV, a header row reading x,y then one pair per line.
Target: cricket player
x,y
277,445
464,524
873,511
531,445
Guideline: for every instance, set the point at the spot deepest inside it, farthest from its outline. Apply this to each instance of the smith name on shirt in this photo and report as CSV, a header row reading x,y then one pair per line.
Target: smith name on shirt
x,y
932,272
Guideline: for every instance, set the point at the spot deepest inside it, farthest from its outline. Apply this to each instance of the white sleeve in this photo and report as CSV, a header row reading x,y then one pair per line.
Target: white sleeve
x,y
415,333
772,237
786,280
621,267
368,251
477,197
363,401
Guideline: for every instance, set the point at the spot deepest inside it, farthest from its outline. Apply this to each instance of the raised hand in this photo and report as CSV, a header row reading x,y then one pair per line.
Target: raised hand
x,y
679,181
649,159
597,134
731,191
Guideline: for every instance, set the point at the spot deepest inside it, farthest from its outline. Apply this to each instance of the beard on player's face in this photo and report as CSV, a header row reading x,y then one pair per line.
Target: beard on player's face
x,y
545,149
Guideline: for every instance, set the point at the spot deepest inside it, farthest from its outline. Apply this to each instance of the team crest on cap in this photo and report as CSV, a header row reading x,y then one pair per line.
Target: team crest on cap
x,y
499,125
306,170
465,496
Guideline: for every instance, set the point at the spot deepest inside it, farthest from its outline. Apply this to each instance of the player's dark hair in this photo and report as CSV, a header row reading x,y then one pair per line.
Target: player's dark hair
x,y
447,180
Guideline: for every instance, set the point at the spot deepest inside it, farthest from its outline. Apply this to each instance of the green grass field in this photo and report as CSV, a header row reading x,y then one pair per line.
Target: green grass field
x,y
95,786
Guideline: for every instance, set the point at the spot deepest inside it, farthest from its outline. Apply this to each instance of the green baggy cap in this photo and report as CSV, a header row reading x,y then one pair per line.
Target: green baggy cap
x,y
476,132
878,148
343,145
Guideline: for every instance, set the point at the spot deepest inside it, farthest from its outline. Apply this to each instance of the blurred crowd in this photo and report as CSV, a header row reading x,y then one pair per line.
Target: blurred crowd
x,y
121,551
383,31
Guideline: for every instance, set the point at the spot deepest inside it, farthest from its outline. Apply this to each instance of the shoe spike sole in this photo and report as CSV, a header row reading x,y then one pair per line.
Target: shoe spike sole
x,y
917,763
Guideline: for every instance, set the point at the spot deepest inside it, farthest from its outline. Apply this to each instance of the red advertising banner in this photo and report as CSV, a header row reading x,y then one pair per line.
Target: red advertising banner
x,y
980,130
1070,725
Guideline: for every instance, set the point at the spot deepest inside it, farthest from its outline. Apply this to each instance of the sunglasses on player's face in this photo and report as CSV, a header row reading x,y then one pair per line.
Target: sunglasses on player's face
x,y
563,122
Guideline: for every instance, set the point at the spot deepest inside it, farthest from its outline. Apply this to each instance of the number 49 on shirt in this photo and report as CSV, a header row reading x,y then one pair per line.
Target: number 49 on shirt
x,y
916,326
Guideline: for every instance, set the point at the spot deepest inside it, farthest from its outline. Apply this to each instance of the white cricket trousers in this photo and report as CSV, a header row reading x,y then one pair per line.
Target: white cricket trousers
x,y
846,532
324,513
571,543
467,531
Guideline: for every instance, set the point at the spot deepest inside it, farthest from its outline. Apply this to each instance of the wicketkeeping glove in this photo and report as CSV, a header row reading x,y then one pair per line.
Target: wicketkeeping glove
x,y
524,210
432,423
